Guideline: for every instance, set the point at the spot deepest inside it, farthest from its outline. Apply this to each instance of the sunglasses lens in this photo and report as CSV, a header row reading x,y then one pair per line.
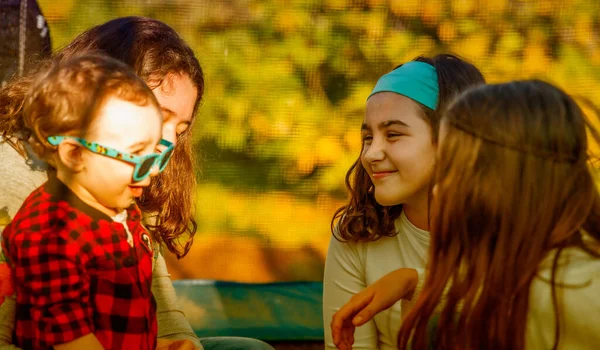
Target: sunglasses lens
x,y
145,168
165,159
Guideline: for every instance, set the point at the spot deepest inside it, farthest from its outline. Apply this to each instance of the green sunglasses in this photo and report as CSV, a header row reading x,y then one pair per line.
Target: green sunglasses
x,y
143,164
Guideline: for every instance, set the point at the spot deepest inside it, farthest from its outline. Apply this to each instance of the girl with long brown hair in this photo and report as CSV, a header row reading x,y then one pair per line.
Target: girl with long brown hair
x,y
514,261
168,65
383,227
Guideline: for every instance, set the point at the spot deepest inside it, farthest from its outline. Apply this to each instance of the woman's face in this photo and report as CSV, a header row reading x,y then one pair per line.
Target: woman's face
x,y
177,98
398,151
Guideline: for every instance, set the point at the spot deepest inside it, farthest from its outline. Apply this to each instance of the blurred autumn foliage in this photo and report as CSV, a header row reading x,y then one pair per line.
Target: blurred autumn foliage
x,y
285,95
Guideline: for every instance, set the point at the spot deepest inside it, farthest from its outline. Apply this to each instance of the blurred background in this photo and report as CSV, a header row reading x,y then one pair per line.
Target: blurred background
x,y
286,84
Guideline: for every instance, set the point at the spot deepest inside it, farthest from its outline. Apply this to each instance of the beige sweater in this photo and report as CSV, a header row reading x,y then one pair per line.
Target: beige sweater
x,y
351,267
578,294
18,179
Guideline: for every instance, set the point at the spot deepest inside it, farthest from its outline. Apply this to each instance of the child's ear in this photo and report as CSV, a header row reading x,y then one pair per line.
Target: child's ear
x,y
70,154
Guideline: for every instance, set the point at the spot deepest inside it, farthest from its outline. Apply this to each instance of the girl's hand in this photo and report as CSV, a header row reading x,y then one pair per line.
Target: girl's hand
x,y
396,285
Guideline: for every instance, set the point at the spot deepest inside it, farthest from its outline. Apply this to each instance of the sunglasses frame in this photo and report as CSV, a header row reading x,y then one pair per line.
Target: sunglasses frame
x,y
167,152
137,161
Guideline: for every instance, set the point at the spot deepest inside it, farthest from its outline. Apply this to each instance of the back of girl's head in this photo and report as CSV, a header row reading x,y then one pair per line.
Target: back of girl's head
x,y
513,183
455,75
65,99
362,218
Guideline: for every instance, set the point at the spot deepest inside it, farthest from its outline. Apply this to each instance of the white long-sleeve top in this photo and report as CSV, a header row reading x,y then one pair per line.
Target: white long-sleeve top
x,y
351,267
578,294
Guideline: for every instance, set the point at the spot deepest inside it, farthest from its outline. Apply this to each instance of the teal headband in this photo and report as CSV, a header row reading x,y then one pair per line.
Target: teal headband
x,y
415,80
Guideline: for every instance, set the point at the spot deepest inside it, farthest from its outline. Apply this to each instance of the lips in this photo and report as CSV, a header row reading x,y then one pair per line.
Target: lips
x,y
383,174
136,191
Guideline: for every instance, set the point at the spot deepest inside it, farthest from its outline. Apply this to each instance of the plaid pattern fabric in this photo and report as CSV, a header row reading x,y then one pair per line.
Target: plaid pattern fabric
x,y
76,274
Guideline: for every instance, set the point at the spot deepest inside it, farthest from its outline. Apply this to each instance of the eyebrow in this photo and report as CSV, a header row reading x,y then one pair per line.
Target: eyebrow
x,y
386,124
137,145
167,111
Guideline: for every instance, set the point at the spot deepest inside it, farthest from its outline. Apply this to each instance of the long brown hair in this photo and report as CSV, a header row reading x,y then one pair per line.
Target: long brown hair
x,y
513,185
154,50
362,218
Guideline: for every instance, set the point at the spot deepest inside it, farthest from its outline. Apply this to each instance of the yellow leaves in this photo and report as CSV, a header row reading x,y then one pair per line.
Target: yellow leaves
x,y
474,47
584,31
407,8
432,12
467,25
257,9
336,4
56,10
237,111
305,162
595,57
353,141
328,150
305,53
289,20
325,151
261,126
461,8
425,44
495,6
447,31
504,66
234,138
419,46
286,219
396,43
376,3
535,60
543,7
510,42
376,25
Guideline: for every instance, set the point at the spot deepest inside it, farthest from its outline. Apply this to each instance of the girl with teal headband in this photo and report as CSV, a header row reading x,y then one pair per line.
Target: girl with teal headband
x,y
384,226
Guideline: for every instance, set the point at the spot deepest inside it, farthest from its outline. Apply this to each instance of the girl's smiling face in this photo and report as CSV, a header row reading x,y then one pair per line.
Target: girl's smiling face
x,y
398,150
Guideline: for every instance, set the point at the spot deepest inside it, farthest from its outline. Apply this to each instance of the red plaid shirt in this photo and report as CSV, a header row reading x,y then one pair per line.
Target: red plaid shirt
x,y
76,274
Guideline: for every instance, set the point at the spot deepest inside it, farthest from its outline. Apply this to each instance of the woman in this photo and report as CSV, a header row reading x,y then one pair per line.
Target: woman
x,y
168,65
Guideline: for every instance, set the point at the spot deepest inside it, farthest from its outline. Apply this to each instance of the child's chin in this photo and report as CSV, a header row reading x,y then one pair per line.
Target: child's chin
x,y
387,201
126,203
